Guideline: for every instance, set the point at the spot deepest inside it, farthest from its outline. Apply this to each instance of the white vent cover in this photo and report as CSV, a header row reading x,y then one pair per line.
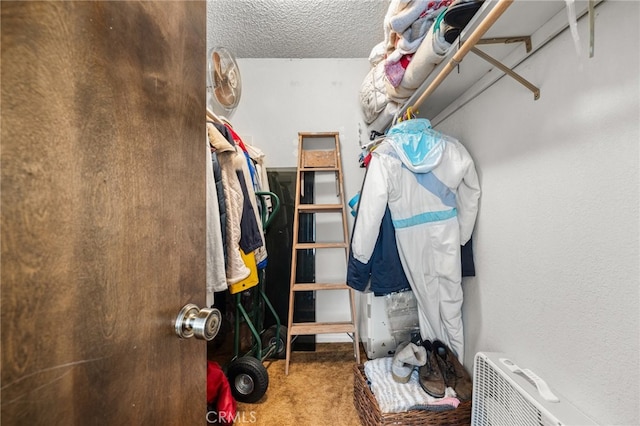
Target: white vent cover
x,y
506,395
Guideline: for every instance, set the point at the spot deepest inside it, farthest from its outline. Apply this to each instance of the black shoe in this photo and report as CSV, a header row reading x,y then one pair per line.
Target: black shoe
x,y
450,33
430,376
454,374
460,12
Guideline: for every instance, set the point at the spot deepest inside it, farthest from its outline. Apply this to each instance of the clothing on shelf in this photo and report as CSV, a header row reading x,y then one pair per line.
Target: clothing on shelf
x,y
418,35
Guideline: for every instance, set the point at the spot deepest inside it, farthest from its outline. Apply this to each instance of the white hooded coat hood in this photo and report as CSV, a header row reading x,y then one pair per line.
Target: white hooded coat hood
x,y
418,146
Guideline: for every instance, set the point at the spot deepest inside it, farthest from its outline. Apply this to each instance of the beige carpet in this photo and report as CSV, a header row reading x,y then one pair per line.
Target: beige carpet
x,y
317,391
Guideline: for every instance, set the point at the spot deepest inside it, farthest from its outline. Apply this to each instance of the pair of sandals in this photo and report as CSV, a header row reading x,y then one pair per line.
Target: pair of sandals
x,y
457,16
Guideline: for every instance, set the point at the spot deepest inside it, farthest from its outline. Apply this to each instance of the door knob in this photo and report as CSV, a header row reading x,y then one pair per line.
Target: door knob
x,y
202,323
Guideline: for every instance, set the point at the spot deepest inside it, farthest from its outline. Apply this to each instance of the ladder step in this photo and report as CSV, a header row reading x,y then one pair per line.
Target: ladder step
x,y
318,169
319,286
319,208
318,134
306,246
321,328
319,159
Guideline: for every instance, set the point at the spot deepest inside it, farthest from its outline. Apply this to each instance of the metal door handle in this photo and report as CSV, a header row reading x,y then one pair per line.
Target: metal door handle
x,y
202,323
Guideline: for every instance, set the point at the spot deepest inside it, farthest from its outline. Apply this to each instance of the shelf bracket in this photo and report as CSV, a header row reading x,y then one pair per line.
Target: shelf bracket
x,y
508,40
451,64
508,71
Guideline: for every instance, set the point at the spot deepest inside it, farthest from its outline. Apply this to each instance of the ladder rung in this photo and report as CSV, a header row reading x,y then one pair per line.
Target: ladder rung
x,y
318,169
318,134
306,246
315,159
318,208
319,286
321,328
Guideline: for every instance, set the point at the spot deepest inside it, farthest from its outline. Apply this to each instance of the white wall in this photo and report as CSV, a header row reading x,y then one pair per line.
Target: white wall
x,y
281,97
557,237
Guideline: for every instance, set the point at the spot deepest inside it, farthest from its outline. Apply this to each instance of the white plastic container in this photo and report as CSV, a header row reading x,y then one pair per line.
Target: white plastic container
x,y
385,321
373,325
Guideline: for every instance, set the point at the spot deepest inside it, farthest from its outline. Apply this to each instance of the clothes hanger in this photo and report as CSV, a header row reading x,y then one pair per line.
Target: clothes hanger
x,y
373,144
428,131
409,114
213,117
375,138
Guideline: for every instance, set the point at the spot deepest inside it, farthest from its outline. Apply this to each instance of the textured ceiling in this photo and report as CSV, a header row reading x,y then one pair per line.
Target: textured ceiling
x,y
296,28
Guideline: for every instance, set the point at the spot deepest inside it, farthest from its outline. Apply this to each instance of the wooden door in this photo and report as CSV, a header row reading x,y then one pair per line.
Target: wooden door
x,y
103,212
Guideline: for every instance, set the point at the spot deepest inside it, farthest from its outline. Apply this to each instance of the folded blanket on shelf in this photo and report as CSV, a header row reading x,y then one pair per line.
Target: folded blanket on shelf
x,y
409,40
394,397
411,49
430,53
405,13
373,93
384,119
405,26
394,71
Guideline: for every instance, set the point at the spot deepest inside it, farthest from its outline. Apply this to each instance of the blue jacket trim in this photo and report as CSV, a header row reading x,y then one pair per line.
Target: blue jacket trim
x,y
425,218
431,183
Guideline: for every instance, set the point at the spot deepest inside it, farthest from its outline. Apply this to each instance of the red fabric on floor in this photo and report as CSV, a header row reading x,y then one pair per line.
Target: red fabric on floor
x,y
219,393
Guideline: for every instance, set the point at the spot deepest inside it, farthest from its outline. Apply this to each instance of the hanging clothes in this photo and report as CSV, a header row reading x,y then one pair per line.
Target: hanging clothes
x,y
222,203
250,238
236,270
383,274
248,173
431,186
466,259
259,162
219,187
384,270
216,276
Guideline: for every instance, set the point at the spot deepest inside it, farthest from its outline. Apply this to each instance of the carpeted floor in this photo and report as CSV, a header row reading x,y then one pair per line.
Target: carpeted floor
x,y
317,391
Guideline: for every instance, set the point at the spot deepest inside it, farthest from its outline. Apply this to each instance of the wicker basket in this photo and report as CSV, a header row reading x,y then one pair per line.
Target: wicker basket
x,y
370,414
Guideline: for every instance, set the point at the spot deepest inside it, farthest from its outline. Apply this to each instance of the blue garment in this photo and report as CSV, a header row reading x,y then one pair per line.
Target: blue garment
x,y
384,267
250,238
222,203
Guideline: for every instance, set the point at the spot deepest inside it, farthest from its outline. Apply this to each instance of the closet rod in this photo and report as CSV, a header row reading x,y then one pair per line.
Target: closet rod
x,y
475,36
213,117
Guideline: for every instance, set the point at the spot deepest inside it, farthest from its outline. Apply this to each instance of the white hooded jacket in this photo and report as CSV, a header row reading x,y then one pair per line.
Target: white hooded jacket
x,y
431,186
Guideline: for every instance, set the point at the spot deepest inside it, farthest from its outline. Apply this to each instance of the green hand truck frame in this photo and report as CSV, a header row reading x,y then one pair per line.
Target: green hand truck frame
x,y
247,376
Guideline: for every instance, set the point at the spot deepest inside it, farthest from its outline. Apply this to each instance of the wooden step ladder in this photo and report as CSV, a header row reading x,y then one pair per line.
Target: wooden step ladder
x,y
313,160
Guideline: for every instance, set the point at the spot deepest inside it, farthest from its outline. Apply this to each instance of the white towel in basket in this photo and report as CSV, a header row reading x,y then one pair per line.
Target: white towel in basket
x,y
394,397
